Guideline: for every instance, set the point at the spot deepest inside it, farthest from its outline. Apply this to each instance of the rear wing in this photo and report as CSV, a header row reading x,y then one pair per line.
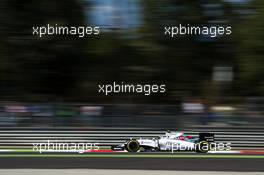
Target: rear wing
x,y
208,137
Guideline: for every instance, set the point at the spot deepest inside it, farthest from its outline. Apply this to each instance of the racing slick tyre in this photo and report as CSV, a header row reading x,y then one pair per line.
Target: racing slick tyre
x,y
132,146
202,147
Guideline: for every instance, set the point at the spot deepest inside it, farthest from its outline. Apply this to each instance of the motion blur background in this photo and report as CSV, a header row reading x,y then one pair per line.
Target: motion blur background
x,y
53,81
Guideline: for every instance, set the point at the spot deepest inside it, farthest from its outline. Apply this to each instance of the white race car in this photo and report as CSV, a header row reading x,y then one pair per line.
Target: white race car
x,y
171,141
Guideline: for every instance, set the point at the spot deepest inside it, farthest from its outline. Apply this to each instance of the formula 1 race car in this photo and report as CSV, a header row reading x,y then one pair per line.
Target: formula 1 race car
x,y
171,141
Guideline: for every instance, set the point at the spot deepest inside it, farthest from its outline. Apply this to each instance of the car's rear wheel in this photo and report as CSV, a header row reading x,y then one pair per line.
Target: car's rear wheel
x,y
203,147
132,146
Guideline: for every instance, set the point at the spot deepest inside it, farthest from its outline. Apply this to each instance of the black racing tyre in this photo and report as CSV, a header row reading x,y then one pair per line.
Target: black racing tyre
x,y
132,146
202,147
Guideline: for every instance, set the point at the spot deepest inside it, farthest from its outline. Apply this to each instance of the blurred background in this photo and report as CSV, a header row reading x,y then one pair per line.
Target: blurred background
x,y
53,81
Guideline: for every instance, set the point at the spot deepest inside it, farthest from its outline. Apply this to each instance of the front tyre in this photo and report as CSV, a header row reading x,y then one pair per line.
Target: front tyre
x,y
132,146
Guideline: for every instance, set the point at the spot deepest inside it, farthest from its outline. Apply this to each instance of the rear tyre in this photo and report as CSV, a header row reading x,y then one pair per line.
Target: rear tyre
x,y
132,146
202,147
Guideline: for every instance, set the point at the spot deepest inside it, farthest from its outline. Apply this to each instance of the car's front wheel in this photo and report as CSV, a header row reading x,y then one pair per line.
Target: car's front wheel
x,y
132,146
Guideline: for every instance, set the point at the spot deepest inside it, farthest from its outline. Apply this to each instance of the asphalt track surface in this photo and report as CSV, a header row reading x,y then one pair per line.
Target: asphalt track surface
x,y
135,163
115,172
